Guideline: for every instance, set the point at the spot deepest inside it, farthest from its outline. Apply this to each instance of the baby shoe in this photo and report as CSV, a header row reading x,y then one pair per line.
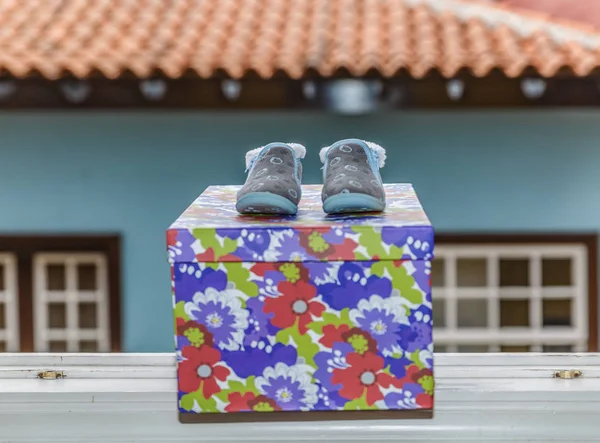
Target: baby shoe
x,y
351,179
273,182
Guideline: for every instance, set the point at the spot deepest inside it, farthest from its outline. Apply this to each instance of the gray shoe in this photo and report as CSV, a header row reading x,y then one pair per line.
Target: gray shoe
x,y
273,182
351,179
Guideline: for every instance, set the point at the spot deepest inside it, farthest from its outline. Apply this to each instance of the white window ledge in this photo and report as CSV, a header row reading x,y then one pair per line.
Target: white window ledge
x,y
132,398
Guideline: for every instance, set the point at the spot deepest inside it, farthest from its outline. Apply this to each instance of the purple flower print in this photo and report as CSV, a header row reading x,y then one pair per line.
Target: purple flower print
x,y
253,360
394,236
406,399
326,361
233,234
222,314
416,335
319,271
290,386
190,279
421,245
267,285
381,318
398,365
290,248
419,241
259,326
422,275
180,245
257,241
329,400
353,287
336,236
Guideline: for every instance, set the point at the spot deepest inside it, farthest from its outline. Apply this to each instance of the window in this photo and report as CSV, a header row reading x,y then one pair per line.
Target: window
x,y
70,300
62,293
9,316
515,293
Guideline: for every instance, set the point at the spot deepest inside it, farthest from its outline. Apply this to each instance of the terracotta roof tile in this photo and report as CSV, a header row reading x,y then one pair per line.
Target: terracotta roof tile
x,y
55,38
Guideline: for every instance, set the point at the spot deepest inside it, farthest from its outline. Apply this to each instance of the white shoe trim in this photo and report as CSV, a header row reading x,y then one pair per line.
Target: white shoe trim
x,y
374,146
299,150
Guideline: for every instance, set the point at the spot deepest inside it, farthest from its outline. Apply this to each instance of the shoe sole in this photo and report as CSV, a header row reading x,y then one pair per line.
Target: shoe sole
x,y
351,203
265,203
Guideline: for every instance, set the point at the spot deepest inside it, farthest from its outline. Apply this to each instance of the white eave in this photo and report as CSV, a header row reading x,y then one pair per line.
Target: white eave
x,y
132,398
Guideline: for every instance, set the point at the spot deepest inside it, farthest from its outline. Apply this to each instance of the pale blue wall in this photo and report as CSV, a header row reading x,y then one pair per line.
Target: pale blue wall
x,y
135,172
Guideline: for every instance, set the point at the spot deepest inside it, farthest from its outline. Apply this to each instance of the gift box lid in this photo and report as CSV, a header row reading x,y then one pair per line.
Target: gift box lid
x,y
211,230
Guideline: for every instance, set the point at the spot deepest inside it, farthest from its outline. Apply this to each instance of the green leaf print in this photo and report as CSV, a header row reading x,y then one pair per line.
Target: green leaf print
x,y
400,280
304,344
209,239
331,319
187,402
360,404
371,240
240,276
415,358
206,404
180,311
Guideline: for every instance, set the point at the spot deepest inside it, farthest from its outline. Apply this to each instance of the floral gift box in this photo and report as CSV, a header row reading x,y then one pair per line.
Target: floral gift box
x,y
302,313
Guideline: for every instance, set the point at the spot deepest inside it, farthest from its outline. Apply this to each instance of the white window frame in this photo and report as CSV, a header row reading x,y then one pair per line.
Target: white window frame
x,y
535,335
9,297
71,297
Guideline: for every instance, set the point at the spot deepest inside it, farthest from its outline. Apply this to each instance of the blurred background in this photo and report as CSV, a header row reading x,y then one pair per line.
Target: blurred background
x,y
116,114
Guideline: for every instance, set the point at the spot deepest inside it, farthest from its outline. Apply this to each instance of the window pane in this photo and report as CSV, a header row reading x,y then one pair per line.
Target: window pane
x,y
2,346
440,348
88,346
471,272
57,315
2,283
56,277
556,312
2,316
86,277
472,314
557,348
439,313
473,348
438,276
515,348
58,346
87,315
514,313
514,272
556,272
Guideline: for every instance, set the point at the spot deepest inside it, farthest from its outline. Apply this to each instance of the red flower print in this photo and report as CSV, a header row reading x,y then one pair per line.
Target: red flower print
x,y
196,333
360,340
230,258
425,401
262,267
295,304
200,370
239,402
250,402
332,334
314,243
206,256
416,374
171,237
363,374
293,272
344,251
263,403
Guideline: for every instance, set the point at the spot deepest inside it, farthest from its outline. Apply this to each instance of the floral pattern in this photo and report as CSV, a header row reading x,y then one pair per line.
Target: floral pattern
x,y
268,337
212,230
305,313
